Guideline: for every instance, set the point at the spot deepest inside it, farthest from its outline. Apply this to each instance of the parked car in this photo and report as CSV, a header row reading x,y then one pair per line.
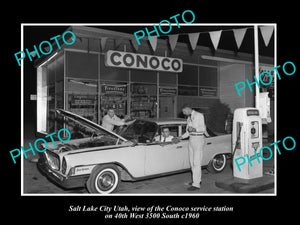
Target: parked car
x,y
100,159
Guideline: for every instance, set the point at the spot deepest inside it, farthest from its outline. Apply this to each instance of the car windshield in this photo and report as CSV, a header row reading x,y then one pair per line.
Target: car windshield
x,y
140,131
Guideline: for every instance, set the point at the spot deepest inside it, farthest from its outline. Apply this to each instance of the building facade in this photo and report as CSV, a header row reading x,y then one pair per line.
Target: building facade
x,y
78,78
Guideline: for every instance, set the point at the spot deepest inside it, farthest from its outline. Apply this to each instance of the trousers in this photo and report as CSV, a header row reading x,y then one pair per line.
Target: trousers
x,y
196,146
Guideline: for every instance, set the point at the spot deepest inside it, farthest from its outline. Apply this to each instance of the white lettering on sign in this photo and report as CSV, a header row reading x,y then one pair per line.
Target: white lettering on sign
x,y
142,61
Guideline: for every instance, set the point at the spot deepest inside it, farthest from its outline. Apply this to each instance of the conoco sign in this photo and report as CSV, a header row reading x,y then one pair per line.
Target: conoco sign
x,y
141,61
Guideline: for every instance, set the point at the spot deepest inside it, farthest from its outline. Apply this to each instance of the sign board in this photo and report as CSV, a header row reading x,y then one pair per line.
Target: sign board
x,y
167,91
208,91
114,89
82,101
144,62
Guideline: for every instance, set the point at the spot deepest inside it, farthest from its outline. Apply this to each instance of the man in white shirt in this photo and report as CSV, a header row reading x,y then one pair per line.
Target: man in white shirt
x,y
165,135
195,130
110,120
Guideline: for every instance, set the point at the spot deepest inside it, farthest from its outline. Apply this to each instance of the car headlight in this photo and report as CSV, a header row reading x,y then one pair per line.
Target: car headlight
x,y
64,165
52,160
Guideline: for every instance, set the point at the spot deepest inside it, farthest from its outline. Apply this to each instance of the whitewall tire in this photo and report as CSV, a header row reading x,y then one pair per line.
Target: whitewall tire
x,y
104,179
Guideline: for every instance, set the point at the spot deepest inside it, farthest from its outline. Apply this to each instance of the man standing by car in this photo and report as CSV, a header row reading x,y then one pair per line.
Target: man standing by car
x,y
110,120
195,130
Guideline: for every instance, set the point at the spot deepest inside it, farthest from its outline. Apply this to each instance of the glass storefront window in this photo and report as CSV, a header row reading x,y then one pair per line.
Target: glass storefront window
x,y
143,100
167,79
111,73
81,98
208,81
49,94
113,89
114,96
143,94
189,75
59,83
41,100
81,84
198,81
208,76
81,65
143,76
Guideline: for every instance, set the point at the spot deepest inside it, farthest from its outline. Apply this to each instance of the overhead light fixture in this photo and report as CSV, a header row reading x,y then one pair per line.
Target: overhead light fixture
x,y
221,59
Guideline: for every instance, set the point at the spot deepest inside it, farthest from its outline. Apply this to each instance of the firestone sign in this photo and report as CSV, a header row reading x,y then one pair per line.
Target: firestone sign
x,y
141,61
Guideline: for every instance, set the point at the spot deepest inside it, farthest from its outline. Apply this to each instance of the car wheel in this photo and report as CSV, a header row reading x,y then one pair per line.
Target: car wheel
x,y
104,179
217,164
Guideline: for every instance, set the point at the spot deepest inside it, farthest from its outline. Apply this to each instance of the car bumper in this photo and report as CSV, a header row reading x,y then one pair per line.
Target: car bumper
x,y
62,181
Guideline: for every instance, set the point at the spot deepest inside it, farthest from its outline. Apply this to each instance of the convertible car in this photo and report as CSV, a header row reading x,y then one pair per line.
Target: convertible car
x,y
100,159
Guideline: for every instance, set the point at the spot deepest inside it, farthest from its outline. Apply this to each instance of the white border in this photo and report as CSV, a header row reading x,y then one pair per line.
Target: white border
x,y
147,194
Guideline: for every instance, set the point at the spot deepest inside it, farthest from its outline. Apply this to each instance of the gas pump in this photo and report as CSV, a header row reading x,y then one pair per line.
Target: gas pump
x,y
246,143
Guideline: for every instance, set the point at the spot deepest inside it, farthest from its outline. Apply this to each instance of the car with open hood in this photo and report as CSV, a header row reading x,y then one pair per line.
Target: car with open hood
x,y
100,159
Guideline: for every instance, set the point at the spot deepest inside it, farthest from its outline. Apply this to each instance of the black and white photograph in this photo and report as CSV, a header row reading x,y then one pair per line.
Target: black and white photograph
x,y
167,116
171,119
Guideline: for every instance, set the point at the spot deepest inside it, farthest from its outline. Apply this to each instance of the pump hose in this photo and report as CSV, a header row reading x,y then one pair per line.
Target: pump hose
x,y
236,143
235,147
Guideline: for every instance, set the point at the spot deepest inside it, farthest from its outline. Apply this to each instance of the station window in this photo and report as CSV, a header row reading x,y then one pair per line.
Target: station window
x,y
143,100
49,94
112,73
81,84
189,75
81,97
208,81
143,76
198,81
167,79
114,96
188,81
208,76
81,65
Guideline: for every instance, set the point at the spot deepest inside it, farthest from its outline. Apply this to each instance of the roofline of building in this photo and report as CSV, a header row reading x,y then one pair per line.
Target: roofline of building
x,y
96,33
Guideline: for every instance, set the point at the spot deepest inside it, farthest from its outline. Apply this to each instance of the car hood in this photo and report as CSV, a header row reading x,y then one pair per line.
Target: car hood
x,y
87,142
87,123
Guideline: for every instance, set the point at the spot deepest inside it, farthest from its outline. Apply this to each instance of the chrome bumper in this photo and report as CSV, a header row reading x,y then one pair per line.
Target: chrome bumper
x,y
58,179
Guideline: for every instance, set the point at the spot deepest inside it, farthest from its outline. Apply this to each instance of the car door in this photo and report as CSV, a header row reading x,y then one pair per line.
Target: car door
x,y
209,144
215,145
164,157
